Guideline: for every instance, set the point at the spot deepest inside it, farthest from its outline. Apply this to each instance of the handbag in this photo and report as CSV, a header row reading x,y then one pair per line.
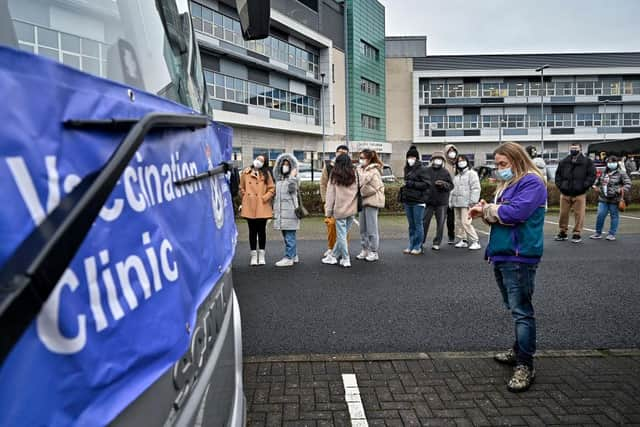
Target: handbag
x,y
300,210
358,194
622,205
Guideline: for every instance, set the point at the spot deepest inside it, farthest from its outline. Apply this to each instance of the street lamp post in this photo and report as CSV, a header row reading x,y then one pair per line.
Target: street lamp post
x,y
604,117
322,114
541,71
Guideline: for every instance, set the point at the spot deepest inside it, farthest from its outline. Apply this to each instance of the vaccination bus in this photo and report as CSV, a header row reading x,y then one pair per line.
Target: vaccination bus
x,y
117,226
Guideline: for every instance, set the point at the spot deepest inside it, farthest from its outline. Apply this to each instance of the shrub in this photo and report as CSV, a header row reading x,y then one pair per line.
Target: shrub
x,y
310,192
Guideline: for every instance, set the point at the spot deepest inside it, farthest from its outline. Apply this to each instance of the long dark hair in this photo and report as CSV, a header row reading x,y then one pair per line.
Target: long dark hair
x,y
264,170
612,159
343,173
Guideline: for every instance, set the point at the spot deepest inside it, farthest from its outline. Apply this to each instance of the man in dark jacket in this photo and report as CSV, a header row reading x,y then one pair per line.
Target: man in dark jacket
x,y
413,196
574,176
438,201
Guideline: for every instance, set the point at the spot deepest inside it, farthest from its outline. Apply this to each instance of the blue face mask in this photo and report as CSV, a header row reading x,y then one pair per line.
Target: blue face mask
x,y
612,165
504,174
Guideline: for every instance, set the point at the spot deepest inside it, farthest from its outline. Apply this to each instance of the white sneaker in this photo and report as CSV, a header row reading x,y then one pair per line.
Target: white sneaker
x,y
372,256
461,244
416,252
475,246
261,259
345,262
329,259
362,255
285,262
327,252
254,258
296,259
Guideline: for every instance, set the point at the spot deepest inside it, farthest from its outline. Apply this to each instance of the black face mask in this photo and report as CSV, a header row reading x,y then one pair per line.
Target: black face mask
x,y
574,152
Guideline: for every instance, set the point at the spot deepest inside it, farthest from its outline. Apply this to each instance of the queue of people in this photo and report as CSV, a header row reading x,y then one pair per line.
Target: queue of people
x,y
447,189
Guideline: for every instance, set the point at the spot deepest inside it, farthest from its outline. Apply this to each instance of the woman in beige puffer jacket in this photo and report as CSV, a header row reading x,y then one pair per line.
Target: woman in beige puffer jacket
x,y
372,191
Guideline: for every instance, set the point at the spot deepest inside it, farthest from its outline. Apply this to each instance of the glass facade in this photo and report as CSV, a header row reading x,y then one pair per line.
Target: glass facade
x,y
227,88
222,27
522,121
366,70
430,90
78,52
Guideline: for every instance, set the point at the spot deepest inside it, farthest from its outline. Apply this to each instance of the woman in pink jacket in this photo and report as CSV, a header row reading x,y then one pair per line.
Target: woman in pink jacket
x,y
341,204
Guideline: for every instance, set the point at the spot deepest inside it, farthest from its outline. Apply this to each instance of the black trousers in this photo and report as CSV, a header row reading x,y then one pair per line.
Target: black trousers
x,y
451,224
441,213
257,233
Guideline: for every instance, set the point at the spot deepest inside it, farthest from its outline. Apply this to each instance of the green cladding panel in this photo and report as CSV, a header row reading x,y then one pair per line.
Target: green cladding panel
x,y
366,24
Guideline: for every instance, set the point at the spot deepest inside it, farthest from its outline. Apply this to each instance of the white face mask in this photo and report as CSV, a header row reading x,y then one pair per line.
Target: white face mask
x,y
452,154
437,162
258,164
462,165
411,161
285,169
362,162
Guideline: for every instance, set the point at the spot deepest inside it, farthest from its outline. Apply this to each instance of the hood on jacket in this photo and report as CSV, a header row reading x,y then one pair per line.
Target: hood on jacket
x,y
277,173
446,150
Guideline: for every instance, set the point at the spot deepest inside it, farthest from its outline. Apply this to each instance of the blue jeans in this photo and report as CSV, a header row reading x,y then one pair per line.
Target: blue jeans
x,y
290,248
415,215
517,282
341,249
603,210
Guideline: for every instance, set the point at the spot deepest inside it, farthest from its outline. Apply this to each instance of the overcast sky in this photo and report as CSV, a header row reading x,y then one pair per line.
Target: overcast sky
x,y
517,26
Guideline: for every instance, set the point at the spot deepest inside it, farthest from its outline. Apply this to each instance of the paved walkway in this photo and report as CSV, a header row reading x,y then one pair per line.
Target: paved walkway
x,y
457,389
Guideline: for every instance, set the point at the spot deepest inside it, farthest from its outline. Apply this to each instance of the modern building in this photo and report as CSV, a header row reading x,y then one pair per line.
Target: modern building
x,y
283,93
479,101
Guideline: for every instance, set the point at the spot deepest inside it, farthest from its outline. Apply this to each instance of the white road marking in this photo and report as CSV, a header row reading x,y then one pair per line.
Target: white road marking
x,y
352,397
555,223
629,217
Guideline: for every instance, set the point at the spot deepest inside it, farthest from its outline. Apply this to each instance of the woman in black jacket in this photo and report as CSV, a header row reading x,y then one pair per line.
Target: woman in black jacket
x,y
414,195
438,198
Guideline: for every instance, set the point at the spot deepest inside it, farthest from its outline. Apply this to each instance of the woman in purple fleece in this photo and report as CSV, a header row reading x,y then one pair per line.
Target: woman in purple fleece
x,y
515,248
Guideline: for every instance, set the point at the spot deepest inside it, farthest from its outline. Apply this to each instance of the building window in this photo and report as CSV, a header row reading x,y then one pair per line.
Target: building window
x,y
437,122
227,88
494,89
584,88
369,51
455,122
311,4
437,90
370,122
78,52
517,89
564,88
470,89
515,120
455,90
491,121
631,119
369,87
333,113
215,24
471,122
632,87
610,119
584,120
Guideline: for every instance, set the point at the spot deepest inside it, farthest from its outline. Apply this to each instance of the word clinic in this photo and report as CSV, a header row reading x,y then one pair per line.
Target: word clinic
x,y
158,268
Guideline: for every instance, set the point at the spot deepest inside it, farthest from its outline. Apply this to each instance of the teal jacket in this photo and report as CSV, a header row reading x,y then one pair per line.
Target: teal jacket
x,y
519,237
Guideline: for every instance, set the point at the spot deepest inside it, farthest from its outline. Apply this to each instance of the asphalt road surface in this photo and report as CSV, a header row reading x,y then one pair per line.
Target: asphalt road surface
x,y
587,297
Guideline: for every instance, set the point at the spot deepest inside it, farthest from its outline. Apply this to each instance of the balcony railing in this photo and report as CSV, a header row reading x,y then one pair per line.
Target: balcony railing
x,y
222,27
524,89
525,121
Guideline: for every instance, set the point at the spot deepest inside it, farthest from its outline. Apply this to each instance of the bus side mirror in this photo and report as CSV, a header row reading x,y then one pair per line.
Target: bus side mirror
x,y
255,17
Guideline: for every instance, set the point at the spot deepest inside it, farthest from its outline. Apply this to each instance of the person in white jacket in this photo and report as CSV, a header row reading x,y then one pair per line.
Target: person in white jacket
x,y
465,194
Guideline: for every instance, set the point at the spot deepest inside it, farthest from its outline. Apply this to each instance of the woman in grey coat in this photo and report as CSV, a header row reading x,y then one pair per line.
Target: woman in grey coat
x,y
285,173
611,186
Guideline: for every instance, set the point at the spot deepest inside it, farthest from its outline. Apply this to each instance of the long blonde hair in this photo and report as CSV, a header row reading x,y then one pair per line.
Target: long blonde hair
x,y
521,164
